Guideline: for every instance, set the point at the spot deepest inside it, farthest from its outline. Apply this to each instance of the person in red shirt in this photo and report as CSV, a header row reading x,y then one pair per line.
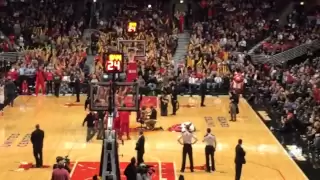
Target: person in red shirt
x,y
60,173
24,87
181,22
13,74
124,123
40,81
49,78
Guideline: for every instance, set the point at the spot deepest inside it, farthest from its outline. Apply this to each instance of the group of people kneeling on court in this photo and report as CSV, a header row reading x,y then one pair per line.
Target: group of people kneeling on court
x,y
95,120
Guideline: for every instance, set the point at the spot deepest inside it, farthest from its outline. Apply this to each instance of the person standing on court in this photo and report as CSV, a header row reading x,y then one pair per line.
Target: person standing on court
x,y
10,90
77,87
174,99
56,83
90,118
37,137
240,159
203,91
140,148
210,148
187,138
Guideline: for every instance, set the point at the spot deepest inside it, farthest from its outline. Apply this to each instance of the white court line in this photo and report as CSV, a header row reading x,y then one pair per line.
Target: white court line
x,y
281,147
174,171
160,169
157,159
74,168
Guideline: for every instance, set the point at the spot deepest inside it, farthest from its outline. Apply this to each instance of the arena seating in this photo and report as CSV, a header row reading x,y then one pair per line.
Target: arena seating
x,y
218,46
299,29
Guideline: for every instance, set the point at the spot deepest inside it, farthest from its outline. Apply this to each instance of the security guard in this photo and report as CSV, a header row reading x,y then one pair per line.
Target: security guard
x,y
174,99
77,87
57,83
37,137
203,91
210,148
186,138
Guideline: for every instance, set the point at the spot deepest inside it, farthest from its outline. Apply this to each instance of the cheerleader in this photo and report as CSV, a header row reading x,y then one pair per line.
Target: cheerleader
x,y
1,99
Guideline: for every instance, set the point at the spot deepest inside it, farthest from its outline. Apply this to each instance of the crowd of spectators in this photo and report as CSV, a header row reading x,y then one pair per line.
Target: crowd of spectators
x,y
293,98
49,35
156,28
299,29
219,43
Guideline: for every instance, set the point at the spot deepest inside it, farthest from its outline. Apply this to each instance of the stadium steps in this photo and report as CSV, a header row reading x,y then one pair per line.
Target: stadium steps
x,y
181,51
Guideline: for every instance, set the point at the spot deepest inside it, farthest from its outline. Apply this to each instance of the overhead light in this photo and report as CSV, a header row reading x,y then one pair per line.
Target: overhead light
x,y
94,1
149,6
181,1
277,20
301,3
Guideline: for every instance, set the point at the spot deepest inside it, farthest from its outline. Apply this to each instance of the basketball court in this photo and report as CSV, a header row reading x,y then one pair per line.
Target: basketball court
x,y
64,135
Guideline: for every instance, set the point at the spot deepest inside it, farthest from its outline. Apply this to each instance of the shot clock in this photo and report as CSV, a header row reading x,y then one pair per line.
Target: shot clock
x,y
114,63
132,27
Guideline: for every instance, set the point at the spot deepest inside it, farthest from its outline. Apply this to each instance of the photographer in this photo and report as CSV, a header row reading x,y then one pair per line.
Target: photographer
x,y
60,173
131,170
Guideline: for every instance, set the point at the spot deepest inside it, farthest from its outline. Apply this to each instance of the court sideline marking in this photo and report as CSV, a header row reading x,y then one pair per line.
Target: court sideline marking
x,y
157,159
281,147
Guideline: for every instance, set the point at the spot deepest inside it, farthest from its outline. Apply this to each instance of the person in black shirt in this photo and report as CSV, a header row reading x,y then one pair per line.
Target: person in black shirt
x,y
37,137
131,170
164,100
203,90
174,99
152,120
140,148
234,109
10,91
239,159
57,83
77,87
90,118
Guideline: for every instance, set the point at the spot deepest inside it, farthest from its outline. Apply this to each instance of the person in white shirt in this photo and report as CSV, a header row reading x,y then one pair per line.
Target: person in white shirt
x,y
243,43
218,81
192,83
187,137
210,148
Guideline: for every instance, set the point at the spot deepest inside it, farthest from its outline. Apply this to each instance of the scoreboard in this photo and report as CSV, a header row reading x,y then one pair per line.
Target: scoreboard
x,y
114,63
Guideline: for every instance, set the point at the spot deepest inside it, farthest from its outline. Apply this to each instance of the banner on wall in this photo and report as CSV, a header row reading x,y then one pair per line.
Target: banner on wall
x,y
132,71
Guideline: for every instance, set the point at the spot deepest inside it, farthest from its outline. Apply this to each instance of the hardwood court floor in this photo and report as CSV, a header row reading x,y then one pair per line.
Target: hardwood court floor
x,y
64,134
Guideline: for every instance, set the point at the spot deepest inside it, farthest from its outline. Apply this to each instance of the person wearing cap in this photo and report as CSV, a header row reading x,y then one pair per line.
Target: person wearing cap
x,y
187,137
210,148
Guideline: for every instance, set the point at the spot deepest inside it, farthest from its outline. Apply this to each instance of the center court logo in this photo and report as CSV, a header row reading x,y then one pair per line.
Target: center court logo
x,y
181,127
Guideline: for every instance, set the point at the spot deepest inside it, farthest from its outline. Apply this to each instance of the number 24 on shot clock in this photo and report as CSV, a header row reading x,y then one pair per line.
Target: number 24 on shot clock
x,y
114,63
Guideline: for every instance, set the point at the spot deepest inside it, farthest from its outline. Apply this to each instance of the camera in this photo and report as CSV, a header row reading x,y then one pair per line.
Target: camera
x,y
65,161
144,169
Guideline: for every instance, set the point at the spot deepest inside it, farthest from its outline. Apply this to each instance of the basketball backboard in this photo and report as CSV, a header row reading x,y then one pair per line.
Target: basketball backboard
x,y
127,96
123,95
100,96
138,46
